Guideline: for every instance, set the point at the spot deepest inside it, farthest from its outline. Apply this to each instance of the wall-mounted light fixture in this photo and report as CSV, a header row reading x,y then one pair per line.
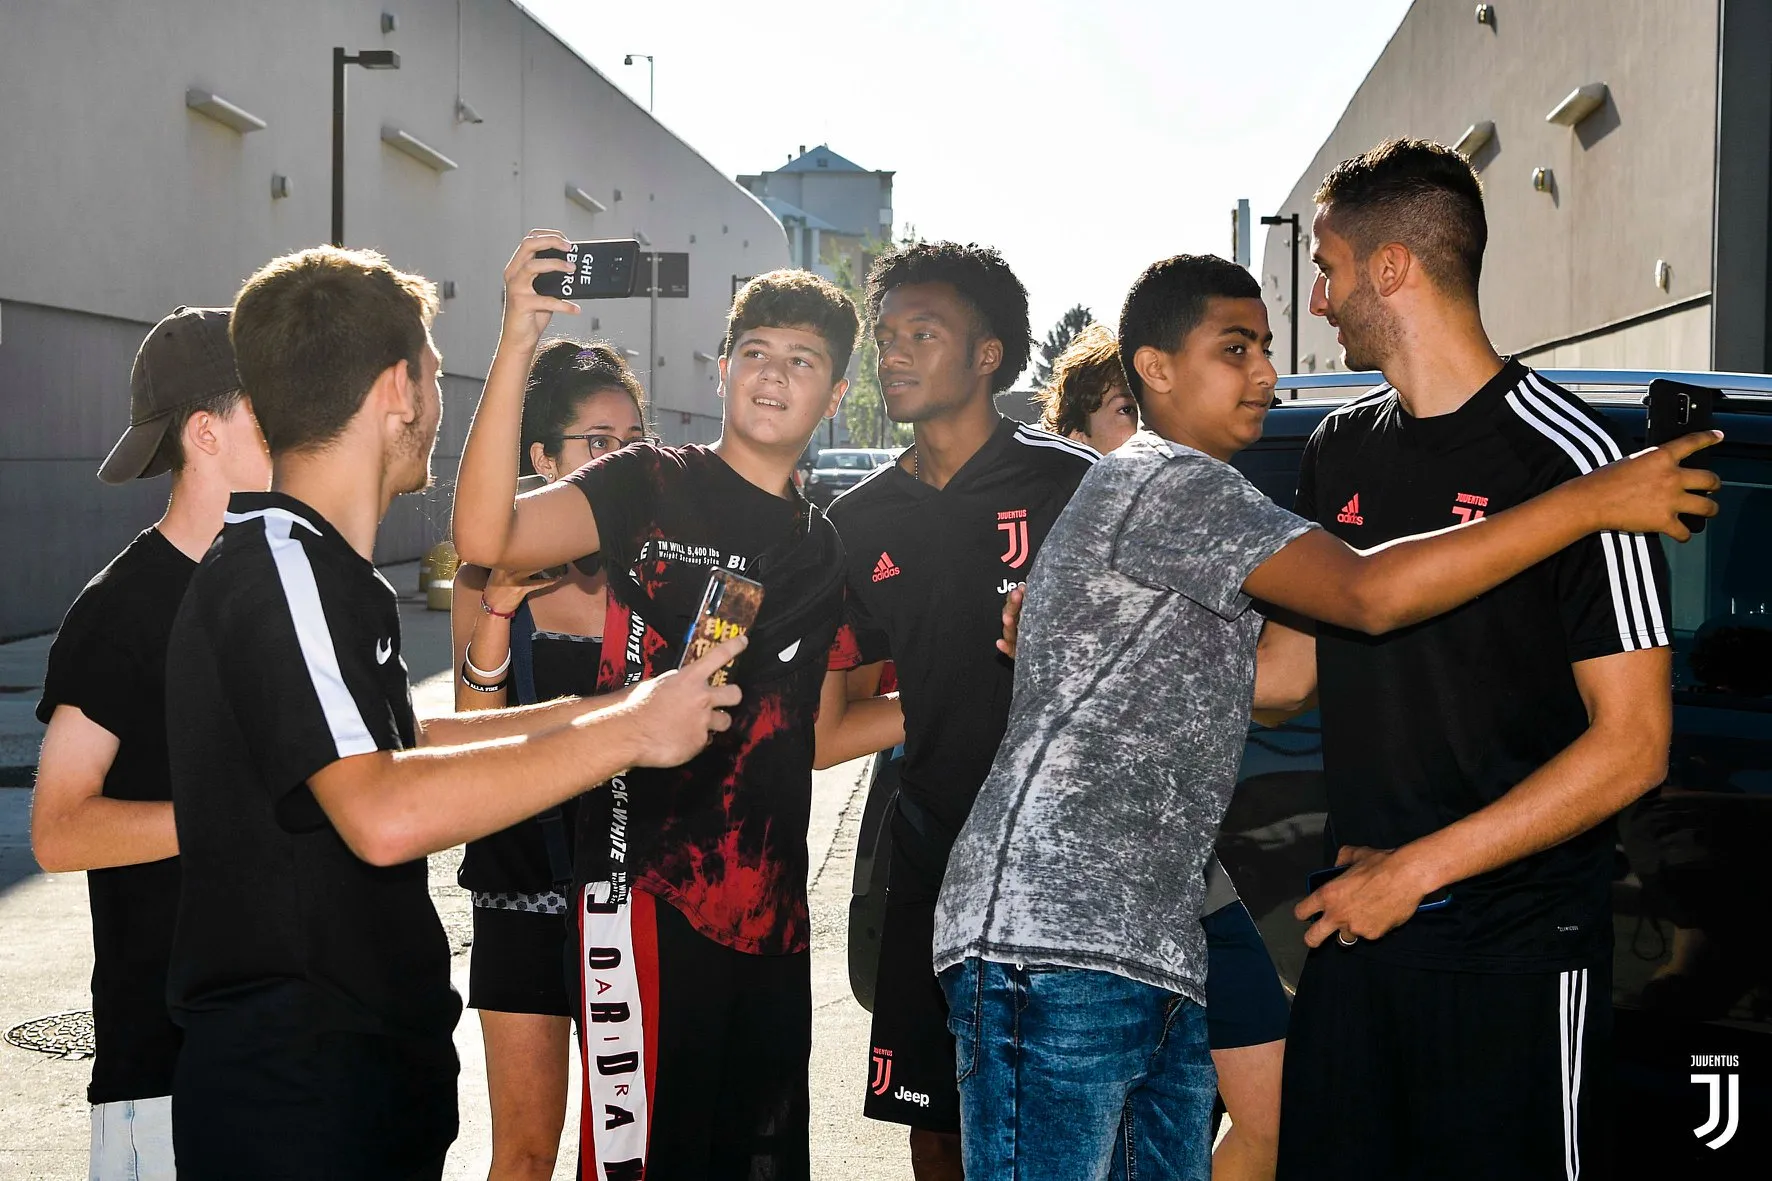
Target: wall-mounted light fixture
x,y
631,354
1541,180
465,113
280,186
581,198
1664,274
1475,138
1486,15
1581,102
446,289
709,358
417,148
206,102
389,23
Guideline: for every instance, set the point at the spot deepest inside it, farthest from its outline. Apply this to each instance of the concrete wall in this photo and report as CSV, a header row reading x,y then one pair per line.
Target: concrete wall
x,y
118,203
1632,184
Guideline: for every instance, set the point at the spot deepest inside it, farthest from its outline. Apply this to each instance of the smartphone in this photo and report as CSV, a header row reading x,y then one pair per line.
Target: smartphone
x,y
606,269
728,608
1318,877
1678,408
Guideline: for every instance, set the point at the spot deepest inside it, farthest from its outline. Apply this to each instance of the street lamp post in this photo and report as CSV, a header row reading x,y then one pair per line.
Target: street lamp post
x,y
651,322
369,59
1290,219
650,74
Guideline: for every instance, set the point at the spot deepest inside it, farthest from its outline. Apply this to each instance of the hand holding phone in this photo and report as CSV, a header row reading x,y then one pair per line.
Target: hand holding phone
x,y
729,607
604,269
1679,408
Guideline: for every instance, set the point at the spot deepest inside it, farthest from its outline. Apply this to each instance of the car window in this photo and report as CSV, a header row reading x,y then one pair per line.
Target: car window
x,y
1690,911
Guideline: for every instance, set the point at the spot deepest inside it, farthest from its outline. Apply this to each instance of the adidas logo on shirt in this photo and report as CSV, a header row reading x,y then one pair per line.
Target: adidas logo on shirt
x,y
1350,512
885,568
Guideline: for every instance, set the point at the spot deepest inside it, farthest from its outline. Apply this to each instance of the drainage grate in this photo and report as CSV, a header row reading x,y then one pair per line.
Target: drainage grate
x,y
65,1035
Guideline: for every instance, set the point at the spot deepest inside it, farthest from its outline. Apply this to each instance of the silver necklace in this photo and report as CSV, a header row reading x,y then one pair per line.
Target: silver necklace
x,y
916,463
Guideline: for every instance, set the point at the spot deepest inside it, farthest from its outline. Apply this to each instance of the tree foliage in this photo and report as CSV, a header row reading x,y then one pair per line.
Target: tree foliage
x,y
1057,340
864,408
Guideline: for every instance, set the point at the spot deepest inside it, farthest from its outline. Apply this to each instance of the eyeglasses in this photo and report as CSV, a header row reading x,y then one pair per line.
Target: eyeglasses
x,y
603,444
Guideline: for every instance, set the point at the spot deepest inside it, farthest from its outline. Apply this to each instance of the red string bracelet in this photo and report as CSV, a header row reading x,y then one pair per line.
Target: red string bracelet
x,y
487,607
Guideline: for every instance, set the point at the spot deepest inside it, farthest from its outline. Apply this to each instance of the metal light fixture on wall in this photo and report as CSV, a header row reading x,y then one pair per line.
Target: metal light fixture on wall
x,y
418,149
1541,180
216,107
1475,138
584,200
1578,105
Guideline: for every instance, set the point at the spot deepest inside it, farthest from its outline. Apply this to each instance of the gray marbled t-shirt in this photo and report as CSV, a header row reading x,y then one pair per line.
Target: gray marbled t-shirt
x,y
1133,682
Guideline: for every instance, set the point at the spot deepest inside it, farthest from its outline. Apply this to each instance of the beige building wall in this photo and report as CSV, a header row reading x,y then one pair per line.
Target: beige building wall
x,y
1630,186
118,202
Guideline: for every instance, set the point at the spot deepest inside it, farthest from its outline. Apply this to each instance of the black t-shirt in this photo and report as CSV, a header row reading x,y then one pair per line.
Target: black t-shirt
x,y
723,837
1431,723
927,572
109,662
516,860
286,658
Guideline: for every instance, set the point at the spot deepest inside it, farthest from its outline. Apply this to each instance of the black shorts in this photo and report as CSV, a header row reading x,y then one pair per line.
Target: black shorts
x,y
911,1062
1410,1073
1245,1001
519,963
695,1055
344,1106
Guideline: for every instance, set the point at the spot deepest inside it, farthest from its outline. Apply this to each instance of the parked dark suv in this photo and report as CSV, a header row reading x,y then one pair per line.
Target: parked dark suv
x,y
1692,891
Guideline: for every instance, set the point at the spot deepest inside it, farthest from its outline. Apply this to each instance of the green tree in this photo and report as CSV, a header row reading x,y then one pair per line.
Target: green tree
x,y
864,408
1063,332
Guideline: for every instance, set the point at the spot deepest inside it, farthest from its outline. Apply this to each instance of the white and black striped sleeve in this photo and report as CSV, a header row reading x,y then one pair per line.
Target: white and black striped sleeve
x,y
1611,587
295,659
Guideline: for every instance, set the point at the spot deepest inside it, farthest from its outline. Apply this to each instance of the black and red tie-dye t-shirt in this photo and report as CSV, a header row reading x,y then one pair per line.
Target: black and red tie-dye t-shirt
x,y
723,837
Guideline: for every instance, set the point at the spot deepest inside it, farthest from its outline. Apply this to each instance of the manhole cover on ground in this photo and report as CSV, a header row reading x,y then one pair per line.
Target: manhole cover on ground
x,y
66,1035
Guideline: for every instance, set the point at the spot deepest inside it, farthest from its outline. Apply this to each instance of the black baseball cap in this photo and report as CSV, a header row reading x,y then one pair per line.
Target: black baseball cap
x,y
186,359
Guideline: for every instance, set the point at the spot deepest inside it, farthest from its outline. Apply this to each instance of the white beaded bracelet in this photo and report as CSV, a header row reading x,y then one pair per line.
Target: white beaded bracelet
x,y
467,658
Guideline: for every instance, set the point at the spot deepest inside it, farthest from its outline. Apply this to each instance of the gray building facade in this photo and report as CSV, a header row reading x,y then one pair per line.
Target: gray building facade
x,y
831,207
129,189
1631,234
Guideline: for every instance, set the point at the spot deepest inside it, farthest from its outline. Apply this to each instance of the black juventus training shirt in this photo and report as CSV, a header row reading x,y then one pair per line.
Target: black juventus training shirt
x,y
927,572
1431,723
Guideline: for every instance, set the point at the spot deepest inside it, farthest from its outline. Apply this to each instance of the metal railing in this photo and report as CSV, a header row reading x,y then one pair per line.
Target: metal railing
x,y
1292,386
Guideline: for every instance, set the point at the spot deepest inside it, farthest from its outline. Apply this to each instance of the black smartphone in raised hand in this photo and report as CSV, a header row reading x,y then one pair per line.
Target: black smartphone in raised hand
x,y
1679,408
606,269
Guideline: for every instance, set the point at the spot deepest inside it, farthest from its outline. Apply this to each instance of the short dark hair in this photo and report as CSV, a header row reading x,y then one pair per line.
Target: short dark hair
x,y
169,456
313,330
564,373
797,299
1421,194
984,281
1168,301
1081,377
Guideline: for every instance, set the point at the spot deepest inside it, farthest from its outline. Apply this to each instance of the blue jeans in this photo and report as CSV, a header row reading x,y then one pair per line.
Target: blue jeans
x,y
1073,1075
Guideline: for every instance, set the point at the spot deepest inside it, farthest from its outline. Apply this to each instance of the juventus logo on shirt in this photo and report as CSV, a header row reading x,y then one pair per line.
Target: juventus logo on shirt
x,y
1015,524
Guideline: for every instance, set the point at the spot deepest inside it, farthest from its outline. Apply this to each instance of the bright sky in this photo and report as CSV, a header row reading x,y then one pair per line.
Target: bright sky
x,y
1084,140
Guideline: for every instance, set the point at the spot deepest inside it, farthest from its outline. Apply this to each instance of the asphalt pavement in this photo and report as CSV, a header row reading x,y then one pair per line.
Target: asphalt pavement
x,y
46,955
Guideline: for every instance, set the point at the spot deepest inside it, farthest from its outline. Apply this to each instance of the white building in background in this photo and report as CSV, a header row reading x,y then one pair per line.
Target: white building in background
x,y
832,208
158,151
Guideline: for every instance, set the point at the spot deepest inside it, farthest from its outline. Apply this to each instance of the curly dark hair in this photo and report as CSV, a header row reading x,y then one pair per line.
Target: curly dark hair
x,y
1081,377
984,281
564,373
797,299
